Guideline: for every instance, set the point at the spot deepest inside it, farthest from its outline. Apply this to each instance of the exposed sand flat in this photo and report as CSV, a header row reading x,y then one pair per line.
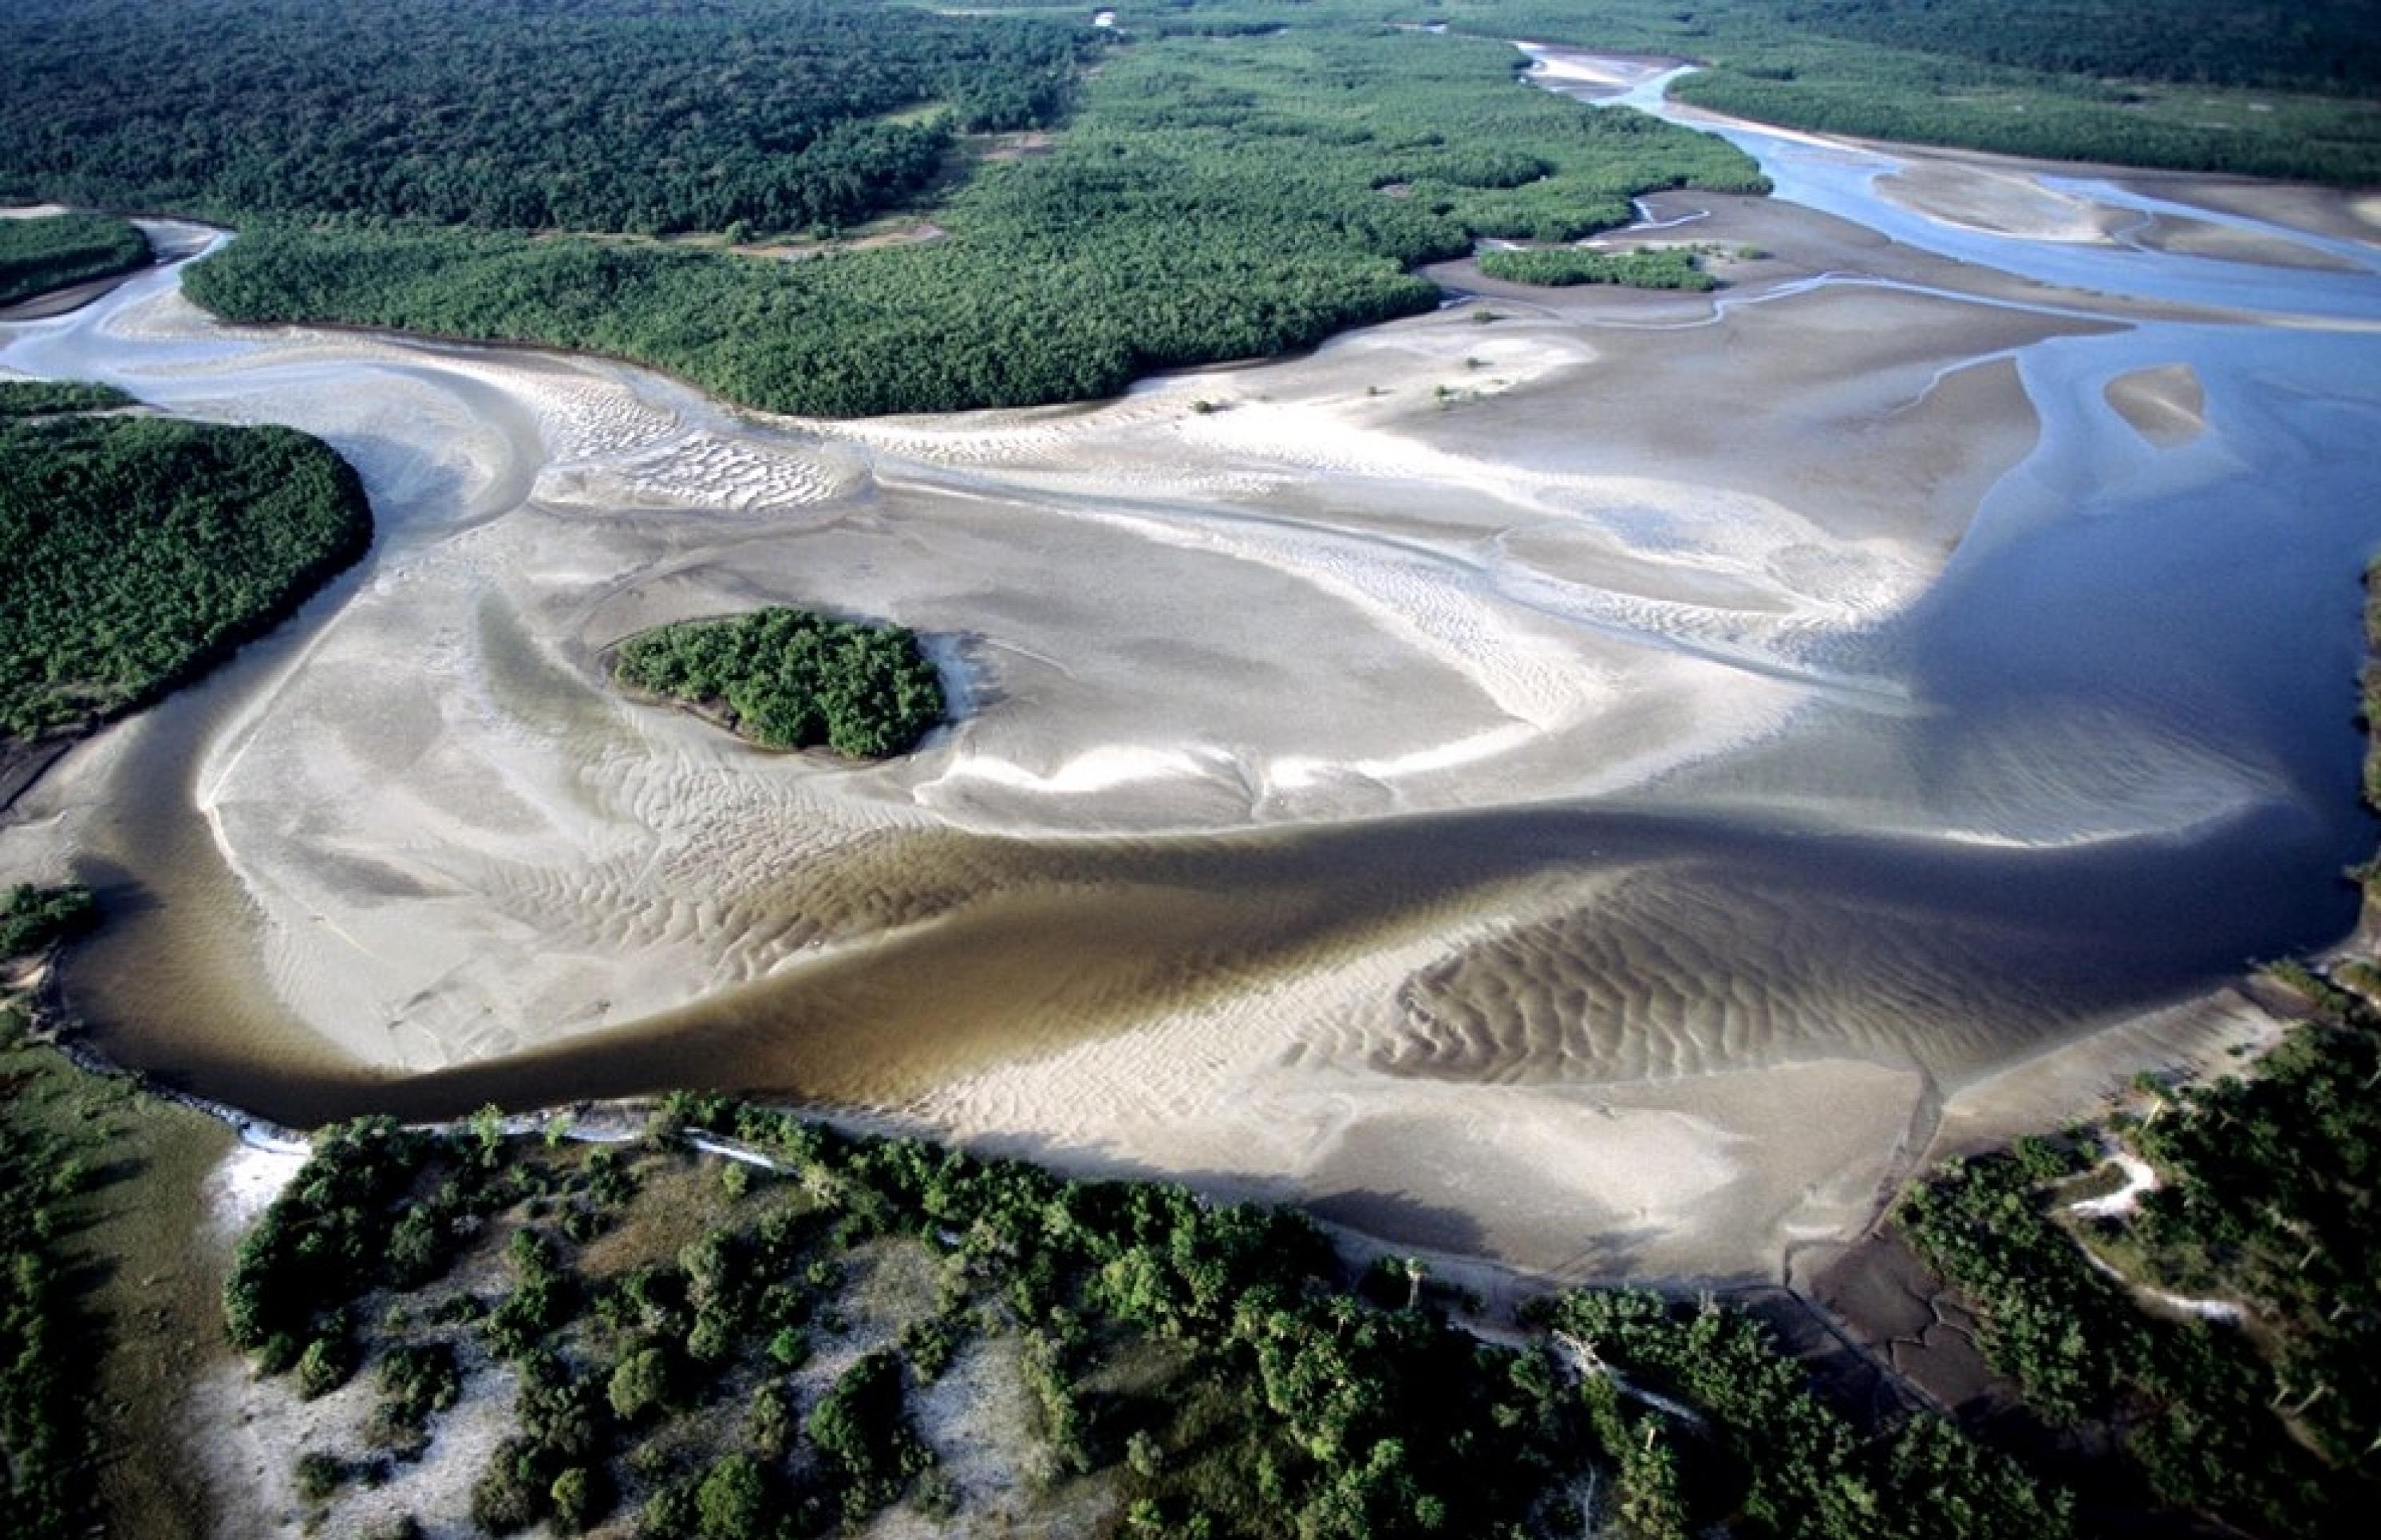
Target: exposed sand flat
x,y
2007,202
2199,237
2330,212
1491,779
2166,403
2044,202
2196,1038
457,834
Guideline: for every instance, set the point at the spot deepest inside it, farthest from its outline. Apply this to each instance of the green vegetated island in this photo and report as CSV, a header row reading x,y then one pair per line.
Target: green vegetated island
x,y
140,550
788,678
1562,266
45,253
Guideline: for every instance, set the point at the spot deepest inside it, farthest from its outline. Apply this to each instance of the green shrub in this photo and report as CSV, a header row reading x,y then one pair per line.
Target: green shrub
x,y
733,1501
34,917
320,1475
639,1384
43,253
325,1366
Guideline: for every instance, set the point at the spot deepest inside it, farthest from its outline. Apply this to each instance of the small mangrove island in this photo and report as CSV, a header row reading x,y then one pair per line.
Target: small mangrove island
x,y
1564,266
787,679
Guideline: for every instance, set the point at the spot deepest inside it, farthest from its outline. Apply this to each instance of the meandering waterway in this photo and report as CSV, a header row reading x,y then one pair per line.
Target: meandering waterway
x,y
1583,789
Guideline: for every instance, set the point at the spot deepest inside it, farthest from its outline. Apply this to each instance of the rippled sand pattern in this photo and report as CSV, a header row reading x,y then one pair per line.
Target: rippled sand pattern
x,y
1665,976
1584,790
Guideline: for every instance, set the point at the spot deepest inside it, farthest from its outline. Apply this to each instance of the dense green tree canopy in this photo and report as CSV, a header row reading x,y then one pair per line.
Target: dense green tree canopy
x,y
588,115
50,252
1213,199
31,918
1562,266
140,550
788,680
56,397
2266,89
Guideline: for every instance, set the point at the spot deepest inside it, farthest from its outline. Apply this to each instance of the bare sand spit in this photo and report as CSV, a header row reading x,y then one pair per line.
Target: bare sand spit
x,y
2007,202
1598,75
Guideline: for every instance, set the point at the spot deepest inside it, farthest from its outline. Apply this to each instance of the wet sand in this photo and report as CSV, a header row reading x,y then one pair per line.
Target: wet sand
x,y
1503,783
2165,403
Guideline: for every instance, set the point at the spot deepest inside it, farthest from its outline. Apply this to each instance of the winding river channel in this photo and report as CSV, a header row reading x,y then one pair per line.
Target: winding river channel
x,y
1210,878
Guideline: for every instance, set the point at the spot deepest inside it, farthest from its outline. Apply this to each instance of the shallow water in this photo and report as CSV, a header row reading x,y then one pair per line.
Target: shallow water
x,y
2118,759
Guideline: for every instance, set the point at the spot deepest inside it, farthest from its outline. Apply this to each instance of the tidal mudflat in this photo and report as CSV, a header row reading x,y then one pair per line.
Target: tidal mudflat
x,y
1593,781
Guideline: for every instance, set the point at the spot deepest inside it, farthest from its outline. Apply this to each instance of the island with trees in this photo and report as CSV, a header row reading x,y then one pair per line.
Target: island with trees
x,y
788,678
140,550
1563,266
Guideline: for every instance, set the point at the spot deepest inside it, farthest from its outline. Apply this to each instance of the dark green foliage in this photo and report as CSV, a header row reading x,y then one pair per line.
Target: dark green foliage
x,y
1211,200
2194,1399
54,397
1798,1468
34,917
770,1423
322,1243
40,254
45,1350
1560,267
1855,90
588,115
931,1344
544,1296
416,1382
139,551
2268,1198
326,1365
640,1383
2053,1322
2306,45
733,1501
2114,81
319,1474
577,1499
861,1431
788,680
513,1492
